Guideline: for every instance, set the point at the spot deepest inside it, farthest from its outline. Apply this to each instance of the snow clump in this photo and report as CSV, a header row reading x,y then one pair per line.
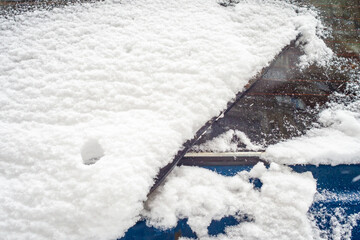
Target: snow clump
x,y
277,211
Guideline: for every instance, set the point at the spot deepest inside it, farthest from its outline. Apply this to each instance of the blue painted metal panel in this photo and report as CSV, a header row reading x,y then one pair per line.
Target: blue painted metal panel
x,y
343,194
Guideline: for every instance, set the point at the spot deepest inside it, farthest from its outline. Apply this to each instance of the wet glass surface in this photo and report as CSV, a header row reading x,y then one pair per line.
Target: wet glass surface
x,y
285,101
343,16
281,104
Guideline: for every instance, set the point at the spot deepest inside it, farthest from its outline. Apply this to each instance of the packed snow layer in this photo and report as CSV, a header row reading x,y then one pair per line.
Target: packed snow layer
x,y
336,141
276,211
121,86
229,141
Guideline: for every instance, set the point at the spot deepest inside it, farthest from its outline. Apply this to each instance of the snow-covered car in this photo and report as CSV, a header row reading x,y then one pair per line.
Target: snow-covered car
x,y
162,119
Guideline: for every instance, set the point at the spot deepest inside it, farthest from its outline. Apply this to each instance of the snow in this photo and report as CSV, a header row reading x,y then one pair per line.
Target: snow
x,y
340,221
96,98
336,141
315,49
91,152
357,178
228,142
278,210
